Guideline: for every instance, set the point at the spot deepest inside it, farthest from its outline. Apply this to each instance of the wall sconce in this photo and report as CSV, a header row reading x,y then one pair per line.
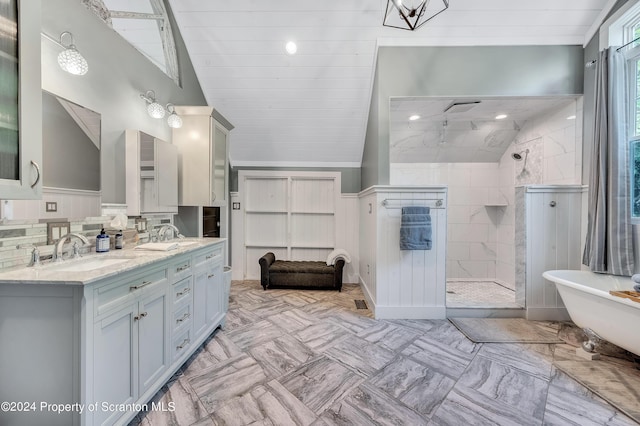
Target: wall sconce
x,y
154,109
69,59
174,121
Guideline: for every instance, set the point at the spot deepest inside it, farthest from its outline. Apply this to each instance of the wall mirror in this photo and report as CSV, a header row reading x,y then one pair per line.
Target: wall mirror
x,y
71,144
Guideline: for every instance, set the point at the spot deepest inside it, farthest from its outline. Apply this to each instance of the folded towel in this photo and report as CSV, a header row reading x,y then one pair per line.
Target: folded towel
x,y
415,228
637,287
338,254
158,246
635,278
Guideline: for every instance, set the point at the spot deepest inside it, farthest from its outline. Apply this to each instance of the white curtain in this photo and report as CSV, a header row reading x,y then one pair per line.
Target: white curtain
x,y
609,246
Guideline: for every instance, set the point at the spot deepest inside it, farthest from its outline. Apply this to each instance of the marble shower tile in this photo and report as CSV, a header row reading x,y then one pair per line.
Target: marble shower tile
x,y
388,335
321,336
367,405
261,332
505,386
269,404
360,355
228,380
417,386
569,403
282,355
320,383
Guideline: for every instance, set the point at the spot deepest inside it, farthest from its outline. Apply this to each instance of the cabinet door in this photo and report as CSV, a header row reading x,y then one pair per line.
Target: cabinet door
x,y
200,284
21,146
219,164
166,166
115,359
153,332
214,293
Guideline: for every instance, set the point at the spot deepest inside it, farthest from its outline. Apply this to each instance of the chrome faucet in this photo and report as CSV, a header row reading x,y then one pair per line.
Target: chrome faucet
x,y
162,233
57,251
35,254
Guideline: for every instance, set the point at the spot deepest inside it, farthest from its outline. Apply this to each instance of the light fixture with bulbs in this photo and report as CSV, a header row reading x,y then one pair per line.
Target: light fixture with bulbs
x,y
154,109
414,117
412,14
174,121
501,116
70,60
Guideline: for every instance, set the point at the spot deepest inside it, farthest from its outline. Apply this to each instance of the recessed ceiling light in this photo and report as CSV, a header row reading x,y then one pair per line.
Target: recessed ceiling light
x,y
571,117
291,48
414,117
501,116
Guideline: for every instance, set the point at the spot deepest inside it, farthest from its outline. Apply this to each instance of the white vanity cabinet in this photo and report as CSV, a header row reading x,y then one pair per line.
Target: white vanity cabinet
x,y
151,173
202,142
130,345
110,343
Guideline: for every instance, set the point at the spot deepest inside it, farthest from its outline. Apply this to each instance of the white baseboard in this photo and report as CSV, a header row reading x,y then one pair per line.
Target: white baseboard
x,y
547,314
410,312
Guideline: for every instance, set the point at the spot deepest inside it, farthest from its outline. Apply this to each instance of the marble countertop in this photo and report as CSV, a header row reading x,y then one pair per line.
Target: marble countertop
x,y
115,262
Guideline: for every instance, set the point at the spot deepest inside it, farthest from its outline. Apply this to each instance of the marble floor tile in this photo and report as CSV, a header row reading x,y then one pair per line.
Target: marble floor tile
x,y
360,355
265,404
449,357
227,380
322,336
221,347
352,321
267,309
505,386
299,299
321,309
417,386
421,326
569,403
238,318
535,359
187,410
260,332
465,406
293,320
506,330
281,355
366,405
389,335
320,383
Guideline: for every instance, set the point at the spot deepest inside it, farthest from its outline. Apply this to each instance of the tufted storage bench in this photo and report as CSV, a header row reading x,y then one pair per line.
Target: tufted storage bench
x,y
300,274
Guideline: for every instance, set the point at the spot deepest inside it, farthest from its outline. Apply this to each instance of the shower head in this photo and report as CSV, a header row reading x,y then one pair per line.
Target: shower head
x,y
518,155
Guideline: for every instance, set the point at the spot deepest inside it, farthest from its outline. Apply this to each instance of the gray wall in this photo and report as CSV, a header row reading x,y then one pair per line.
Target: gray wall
x,y
70,158
118,73
462,71
349,177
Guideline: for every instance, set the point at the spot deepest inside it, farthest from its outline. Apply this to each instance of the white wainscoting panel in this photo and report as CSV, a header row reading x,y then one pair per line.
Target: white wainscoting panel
x,y
407,283
552,240
71,204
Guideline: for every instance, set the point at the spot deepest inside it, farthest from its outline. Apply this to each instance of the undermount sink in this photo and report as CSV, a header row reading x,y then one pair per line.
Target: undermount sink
x,y
81,265
185,243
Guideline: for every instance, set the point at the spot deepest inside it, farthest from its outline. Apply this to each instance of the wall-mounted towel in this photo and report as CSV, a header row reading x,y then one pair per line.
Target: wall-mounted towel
x,y
415,228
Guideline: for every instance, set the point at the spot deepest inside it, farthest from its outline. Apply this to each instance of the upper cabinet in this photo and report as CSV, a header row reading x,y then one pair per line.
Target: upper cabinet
x,y
152,174
20,102
202,142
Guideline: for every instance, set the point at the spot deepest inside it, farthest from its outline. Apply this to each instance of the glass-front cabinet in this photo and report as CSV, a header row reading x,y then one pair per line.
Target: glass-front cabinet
x,y
20,101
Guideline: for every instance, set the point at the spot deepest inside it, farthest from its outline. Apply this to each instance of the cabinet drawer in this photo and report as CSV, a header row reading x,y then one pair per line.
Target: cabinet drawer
x,y
209,256
182,317
180,268
182,290
181,344
111,296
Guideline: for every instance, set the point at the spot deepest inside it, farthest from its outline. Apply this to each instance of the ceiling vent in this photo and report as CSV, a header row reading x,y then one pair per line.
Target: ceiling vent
x,y
460,106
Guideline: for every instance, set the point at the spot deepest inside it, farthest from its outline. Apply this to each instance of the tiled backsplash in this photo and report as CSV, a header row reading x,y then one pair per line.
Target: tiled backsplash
x,y
33,232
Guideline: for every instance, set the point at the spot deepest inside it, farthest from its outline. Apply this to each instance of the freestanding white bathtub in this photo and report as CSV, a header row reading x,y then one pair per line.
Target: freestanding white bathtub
x,y
590,306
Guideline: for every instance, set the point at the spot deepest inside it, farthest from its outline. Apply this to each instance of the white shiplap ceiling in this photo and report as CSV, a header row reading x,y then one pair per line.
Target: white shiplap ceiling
x,y
310,109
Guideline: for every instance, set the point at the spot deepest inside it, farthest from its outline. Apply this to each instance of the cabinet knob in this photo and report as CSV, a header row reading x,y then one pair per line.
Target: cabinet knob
x,y
552,204
211,275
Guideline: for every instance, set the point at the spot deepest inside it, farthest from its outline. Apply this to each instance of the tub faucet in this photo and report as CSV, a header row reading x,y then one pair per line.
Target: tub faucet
x,y
162,233
57,251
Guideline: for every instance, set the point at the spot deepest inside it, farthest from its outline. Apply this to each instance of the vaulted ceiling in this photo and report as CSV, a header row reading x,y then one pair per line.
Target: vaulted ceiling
x,y
310,109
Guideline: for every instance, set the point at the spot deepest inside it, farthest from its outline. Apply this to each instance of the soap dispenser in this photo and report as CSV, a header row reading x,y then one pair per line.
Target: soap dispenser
x,y
102,242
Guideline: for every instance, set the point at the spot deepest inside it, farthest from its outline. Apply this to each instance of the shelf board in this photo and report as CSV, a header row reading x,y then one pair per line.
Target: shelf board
x,y
320,213
267,211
